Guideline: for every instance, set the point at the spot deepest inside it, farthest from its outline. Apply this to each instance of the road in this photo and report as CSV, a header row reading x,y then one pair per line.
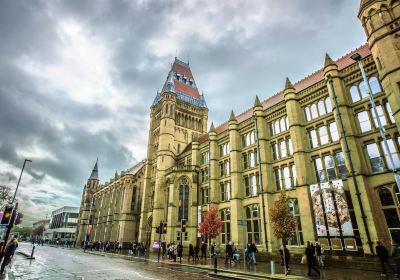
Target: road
x,y
57,263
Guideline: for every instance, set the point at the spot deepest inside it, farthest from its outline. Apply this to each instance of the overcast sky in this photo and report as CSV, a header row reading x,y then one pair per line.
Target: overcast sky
x,y
77,78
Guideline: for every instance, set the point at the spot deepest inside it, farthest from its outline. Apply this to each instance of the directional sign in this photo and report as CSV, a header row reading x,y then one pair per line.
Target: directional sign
x,y
241,222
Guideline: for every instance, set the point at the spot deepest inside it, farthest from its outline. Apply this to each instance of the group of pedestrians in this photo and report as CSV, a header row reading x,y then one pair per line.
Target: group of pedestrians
x,y
231,253
383,255
250,252
137,249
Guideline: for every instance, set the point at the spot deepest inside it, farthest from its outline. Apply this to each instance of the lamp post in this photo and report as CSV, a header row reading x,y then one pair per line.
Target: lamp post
x,y
19,180
357,57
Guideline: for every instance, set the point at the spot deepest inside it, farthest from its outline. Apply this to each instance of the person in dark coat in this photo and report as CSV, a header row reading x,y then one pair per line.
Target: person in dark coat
x,y
285,261
203,251
179,251
253,251
196,252
8,254
228,251
383,256
310,254
191,252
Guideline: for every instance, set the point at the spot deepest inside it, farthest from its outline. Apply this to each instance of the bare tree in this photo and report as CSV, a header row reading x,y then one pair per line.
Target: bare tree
x,y
5,195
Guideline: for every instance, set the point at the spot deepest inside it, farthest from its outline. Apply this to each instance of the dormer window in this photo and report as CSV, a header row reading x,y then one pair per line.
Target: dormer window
x,y
184,79
191,81
178,76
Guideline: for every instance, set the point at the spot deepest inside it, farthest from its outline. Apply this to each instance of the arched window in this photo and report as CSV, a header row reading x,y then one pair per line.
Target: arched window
x,y
226,228
283,124
314,111
390,208
328,105
321,108
355,95
183,199
297,234
308,113
363,89
253,224
277,129
374,84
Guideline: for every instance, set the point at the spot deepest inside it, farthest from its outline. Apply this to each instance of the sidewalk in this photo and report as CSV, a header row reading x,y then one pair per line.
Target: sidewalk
x,y
260,271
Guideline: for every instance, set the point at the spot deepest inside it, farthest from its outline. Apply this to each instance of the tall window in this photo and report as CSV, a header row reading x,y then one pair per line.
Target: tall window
x,y
363,120
355,94
205,157
381,116
253,224
226,229
321,107
183,199
248,139
225,191
205,195
340,163
296,239
389,111
393,152
251,183
374,84
282,147
319,169
224,168
308,113
224,149
313,138
314,111
333,131
361,91
285,177
390,209
330,167
323,135
374,157
275,154
279,126
328,105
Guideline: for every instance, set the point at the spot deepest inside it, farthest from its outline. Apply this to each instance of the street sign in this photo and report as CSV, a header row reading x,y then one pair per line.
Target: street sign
x,y
241,222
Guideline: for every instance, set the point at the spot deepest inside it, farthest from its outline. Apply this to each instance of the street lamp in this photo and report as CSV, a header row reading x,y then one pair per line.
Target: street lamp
x,y
19,180
357,57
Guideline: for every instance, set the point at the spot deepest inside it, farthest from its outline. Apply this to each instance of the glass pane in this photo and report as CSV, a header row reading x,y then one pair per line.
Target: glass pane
x,y
248,215
287,122
393,152
249,226
277,129
323,135
249,238
355,96
334,132
377,164
363,89
328,105
282,146
255,226
363,120
256,238
314,111
392,218
389,110
313,139
308,113
321,108
386,197
283,124
374,84
373,150
381,115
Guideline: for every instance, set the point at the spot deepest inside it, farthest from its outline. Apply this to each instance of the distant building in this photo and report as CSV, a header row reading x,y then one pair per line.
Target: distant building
x,y
45,223
63,224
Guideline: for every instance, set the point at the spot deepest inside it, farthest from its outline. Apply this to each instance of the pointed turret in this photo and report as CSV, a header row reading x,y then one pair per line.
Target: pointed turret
x,y
116,174
288,84
232,117
95,172
328,61
212,128
257,102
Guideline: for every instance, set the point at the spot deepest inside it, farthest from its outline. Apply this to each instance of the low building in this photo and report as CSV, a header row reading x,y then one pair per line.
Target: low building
x,y
63,224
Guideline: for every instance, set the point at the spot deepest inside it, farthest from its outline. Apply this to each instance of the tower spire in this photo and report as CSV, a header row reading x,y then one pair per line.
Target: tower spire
x,y
95,172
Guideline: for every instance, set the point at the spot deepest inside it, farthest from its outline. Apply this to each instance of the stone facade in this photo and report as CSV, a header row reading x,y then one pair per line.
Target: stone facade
x,y
302,149
113,208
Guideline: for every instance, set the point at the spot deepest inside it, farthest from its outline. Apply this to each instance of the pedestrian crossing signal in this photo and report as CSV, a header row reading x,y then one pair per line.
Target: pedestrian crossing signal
x,y
164,229
183,225
5,220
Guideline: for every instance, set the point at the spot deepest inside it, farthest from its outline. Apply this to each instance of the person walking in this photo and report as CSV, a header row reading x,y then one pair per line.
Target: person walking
x,y
383,256
310,254
396,256
179,250
320,257
253,251
285,259
228,253
196,252
8,254
191,252
203,251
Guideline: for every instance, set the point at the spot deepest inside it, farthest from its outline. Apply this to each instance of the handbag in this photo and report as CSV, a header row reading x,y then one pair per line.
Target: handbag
x,y
304,259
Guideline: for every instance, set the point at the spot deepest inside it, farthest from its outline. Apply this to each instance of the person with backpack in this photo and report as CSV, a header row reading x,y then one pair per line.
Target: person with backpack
x,y
383,256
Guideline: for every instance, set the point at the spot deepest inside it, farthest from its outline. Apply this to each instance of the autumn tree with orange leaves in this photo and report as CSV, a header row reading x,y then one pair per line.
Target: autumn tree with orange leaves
x,y
212,225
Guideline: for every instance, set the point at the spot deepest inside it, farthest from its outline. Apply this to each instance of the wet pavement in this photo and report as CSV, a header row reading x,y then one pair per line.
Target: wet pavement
x,y
56,263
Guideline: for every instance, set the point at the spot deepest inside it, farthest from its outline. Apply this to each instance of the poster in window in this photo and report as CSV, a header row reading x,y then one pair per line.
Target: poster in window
x,y
324,242
318,210
350,244
336,244
343,208
330,212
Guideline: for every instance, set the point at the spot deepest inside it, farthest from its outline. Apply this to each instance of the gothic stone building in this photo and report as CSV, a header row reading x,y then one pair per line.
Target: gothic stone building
x,y
111,212
293,141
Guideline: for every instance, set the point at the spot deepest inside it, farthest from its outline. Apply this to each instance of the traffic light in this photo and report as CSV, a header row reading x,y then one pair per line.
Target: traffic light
x,y
183,225
164,229
7,214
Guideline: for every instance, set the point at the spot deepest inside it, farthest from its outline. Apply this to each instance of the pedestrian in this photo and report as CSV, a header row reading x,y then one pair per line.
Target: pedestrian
x,y
383,256
164,248
191,252
396,256
8,254
203,251
228,253
172,251
196,252
179,250
320,255
285,258
247,253
253,252
310,254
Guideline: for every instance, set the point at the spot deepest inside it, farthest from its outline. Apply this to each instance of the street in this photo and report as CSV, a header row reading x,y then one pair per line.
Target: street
x,y
58,263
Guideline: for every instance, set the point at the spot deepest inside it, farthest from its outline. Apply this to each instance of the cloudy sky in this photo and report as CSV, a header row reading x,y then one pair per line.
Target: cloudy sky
x,y
77,77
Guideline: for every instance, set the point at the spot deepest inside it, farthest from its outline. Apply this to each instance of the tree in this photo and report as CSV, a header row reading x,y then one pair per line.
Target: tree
x,y
18,218
212,225
282,221
38,231
5,195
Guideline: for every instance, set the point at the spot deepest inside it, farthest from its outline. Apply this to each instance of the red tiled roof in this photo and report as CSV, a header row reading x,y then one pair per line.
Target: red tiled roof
x,y
186,89
308,81
182,70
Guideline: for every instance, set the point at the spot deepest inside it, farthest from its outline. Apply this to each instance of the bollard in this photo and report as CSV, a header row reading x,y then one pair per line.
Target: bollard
x,y
33,250
272,268
215,264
